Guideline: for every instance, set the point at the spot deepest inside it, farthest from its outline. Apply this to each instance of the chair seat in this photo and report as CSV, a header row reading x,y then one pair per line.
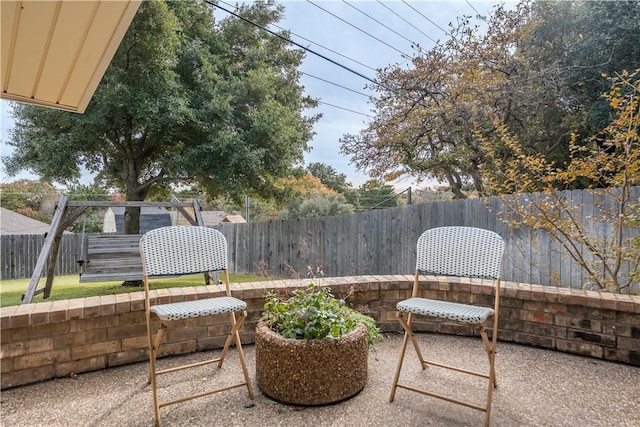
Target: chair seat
x,y
198,308
446,310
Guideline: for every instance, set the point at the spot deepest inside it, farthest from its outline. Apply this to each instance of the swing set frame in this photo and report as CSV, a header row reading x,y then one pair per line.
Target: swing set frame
x,y
66,213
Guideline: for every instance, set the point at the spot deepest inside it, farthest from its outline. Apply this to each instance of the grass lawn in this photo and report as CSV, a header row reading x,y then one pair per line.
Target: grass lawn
x,y
67,287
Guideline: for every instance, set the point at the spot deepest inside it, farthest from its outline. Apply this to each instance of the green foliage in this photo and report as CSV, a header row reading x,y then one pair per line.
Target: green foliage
x,y
93,218
185,100
329,176
314,313
377,195
585,40
334,180
317,205
26,195
534,68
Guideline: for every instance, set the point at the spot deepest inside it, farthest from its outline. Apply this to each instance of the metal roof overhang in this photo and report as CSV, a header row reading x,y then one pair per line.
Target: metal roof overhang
x,y
54,53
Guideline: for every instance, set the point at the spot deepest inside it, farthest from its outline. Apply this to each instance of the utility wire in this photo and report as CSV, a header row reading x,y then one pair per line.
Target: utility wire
x,y
394,196
377,83
324,47
335,84
324,80
346,109
343,87
312,42
413,44
420,13
419,30
359,29
474,9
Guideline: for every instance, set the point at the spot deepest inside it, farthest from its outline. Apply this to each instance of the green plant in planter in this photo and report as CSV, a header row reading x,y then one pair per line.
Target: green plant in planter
x,y
314,313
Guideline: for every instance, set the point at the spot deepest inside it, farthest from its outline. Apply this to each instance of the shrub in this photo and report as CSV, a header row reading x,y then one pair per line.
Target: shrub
x,y
314,313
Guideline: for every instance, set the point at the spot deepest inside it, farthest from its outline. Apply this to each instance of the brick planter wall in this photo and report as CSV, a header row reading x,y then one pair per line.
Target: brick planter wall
x,y
55,339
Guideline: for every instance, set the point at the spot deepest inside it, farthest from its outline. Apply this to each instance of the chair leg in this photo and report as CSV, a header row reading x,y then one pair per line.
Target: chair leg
x,y
245,371
406,325
490,348
234,334
408,335
399,367
153,350
491,353
154,344
487,413
235,326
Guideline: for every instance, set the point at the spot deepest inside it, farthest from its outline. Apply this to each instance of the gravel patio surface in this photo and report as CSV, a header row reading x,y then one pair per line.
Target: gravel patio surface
x,y
535,388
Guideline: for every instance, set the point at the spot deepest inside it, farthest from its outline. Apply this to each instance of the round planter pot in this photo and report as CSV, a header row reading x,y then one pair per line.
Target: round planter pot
x,y
311,372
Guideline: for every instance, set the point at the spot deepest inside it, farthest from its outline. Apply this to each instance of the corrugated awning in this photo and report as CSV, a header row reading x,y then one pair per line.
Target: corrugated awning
x,y
54,53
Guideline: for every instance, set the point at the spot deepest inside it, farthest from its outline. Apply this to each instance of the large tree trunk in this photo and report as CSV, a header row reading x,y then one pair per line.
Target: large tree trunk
x,y
134,193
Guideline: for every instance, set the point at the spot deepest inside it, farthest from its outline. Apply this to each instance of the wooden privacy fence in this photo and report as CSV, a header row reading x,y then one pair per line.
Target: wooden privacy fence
x,y
19,255
383,241
377,242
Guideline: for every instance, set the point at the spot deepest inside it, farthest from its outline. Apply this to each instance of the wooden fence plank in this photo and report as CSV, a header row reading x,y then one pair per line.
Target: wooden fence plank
x,y
376,242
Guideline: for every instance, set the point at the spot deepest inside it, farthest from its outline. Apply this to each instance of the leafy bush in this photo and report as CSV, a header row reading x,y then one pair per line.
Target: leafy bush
x,y
314,313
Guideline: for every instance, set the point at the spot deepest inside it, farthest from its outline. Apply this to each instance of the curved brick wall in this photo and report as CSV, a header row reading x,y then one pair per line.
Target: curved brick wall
x,y
54,339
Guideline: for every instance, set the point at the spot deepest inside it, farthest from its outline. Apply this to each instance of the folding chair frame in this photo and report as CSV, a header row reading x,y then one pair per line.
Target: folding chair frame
x,y
155,342
405,320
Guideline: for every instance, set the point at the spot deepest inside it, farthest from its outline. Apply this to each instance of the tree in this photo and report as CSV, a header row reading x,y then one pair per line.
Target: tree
x,y
185,100
329,176
376,195
28,195
317,205
92,219
589,38
334,180
309,197
534,69
611,161
568,46
427,114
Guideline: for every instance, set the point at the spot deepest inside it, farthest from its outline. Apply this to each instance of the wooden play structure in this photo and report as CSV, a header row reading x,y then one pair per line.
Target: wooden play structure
x,y
108,257
111,257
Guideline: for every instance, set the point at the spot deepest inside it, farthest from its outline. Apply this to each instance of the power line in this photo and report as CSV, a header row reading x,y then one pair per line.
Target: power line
x,y
420,13
335,84
419,30
343,87
359,29
307,49
324,47
413,44
474,9
325,80
346,109
312,42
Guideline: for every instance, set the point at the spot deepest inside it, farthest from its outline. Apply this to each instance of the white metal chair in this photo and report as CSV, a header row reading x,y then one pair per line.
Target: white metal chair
x,y
462,252
181,250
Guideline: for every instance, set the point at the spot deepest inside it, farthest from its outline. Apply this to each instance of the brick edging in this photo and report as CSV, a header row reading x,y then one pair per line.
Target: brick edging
x,y
55,339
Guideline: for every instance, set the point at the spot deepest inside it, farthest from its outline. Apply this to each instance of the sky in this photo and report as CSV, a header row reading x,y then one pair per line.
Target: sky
x,y
360,35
